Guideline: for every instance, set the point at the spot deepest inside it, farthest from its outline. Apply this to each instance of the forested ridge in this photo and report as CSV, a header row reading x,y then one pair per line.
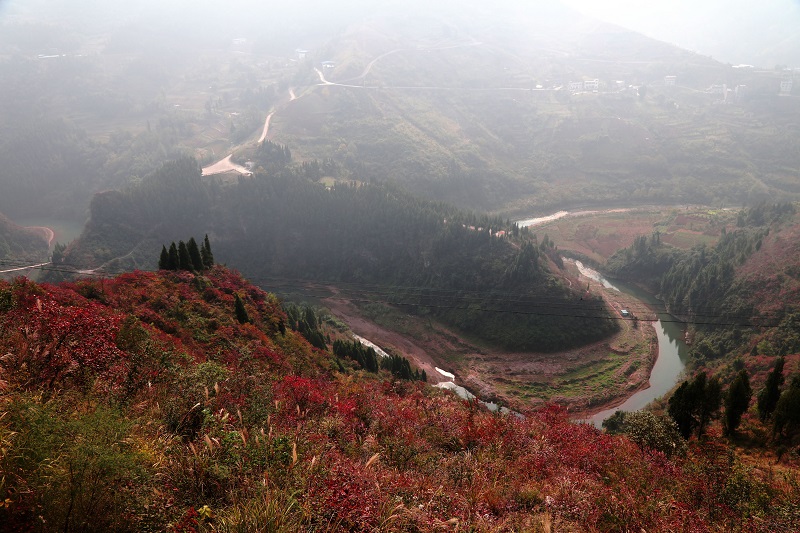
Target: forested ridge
x,y
284,224
704,285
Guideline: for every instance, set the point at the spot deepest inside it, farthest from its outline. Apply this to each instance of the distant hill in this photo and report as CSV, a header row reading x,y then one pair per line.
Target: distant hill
x,y
145,402
761,34
513,110
508,107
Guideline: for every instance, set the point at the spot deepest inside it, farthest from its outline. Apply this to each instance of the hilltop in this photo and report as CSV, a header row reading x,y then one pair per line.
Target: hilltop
x,y
145,402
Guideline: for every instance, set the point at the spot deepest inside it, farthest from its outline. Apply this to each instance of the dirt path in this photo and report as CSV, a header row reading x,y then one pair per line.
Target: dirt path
x,y
266,128
225,165
398,50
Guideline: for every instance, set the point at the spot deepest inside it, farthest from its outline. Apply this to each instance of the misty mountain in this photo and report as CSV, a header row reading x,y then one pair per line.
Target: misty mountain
x,y
504,107
763,34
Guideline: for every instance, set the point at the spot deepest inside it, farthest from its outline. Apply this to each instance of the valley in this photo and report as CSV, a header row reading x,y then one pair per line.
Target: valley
x,y
583,380
476,268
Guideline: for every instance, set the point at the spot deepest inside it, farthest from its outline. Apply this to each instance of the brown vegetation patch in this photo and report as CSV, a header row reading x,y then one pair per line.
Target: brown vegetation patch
x,y
773,273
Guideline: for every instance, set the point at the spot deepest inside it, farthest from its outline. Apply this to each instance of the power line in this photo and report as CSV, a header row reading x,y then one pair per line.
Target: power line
x,y
411,290
459,295
375,293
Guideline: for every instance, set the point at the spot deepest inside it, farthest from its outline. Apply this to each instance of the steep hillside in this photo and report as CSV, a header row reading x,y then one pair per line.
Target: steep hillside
x,y
146,403
510,109
20,245
736,294
467,270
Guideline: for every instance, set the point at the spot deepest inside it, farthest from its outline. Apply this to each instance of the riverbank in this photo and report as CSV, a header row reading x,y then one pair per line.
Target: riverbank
x,y
625,371
47,234
585,380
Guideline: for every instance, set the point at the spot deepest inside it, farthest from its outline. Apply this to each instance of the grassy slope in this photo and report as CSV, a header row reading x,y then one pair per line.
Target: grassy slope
x,y
138,402
599,235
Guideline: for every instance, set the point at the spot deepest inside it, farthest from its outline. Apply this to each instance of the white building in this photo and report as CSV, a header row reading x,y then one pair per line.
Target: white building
x,y
591,85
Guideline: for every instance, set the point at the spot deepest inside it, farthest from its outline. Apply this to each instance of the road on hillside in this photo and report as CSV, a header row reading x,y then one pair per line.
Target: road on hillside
x,y
226,165
18,269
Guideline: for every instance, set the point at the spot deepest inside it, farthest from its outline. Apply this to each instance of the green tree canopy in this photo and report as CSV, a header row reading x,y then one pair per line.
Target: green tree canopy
x,y
737,401
769,395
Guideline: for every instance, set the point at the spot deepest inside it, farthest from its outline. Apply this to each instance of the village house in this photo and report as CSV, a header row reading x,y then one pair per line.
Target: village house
x,y
591,85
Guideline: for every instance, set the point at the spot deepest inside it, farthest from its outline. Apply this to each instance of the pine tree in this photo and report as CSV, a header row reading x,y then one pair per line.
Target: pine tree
x,y
680,409
173,261
769,395
205,253
241,312
58,253
737,401
695,403
163,261
709,397
184,261
787,409
310,318
194,255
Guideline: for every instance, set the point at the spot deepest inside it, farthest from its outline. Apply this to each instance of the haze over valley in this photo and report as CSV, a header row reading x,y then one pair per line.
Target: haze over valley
x,y
293,266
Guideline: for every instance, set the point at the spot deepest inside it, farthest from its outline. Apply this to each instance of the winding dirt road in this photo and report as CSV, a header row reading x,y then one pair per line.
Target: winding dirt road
x,y
226,165
266,128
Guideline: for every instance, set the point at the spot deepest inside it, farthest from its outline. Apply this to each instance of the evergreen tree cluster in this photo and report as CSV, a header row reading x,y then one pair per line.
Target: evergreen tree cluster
x,y
694,404
368,359
786,417
737,401
303,320
782,407
186,256
272,157
691,281
768,396
700,285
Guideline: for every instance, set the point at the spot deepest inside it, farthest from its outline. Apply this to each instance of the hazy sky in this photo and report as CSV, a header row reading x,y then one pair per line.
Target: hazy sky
x,y
735,31
762,32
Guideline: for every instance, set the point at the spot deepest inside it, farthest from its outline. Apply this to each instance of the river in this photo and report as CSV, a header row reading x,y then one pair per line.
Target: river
x,y
672,352
64,231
